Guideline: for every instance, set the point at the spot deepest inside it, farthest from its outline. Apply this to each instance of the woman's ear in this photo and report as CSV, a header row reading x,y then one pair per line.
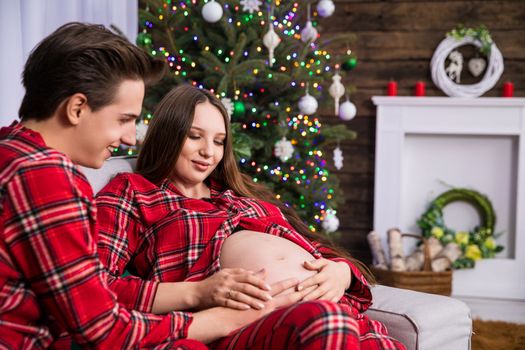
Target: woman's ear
x,y
75,106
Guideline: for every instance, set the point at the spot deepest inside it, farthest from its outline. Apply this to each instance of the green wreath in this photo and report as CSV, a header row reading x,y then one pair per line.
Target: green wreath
x,y
477,244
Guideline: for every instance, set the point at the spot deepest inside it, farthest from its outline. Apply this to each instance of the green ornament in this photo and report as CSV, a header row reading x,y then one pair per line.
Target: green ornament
x,y
349,63
238,109
143,39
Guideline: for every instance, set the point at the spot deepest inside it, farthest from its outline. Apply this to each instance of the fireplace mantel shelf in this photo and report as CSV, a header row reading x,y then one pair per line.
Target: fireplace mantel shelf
x,y
448,101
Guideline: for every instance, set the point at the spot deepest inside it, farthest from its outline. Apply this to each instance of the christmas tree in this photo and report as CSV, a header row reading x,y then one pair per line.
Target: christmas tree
x,y
263,60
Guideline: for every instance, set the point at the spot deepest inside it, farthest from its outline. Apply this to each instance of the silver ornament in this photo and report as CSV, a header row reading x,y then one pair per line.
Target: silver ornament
x,y
338,158
336,90
212,12
228,105
308,33
271,40
330,221
347,110
325,8
250,5
283,149
308,104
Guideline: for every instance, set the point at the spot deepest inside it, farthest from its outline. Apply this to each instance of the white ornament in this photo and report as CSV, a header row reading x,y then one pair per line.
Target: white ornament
x,y
228,105
455,66
250,5
347,110
309,33
476,66
212,12
330,221
283,149
338,158
336,90
325,8
449,87
271,40
142,128
308,104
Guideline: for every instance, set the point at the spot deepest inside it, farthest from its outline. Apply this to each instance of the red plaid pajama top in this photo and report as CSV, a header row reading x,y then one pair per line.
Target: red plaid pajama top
x,y
50,276
162,236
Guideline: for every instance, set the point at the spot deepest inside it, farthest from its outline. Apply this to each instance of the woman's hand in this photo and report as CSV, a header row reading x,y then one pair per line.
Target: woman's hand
x,y
233,288
332,279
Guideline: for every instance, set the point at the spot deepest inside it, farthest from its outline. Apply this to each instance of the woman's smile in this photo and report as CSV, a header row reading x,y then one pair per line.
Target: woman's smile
x,y
201,165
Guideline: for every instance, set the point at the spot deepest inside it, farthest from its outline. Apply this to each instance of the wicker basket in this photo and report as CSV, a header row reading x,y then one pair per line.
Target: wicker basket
x,y
422,281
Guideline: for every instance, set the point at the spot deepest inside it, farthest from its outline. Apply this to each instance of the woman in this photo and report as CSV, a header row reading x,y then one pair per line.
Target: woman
x,y
189,216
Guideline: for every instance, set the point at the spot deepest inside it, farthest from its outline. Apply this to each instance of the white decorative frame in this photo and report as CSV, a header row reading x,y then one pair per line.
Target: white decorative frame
x,y
404,124
449,87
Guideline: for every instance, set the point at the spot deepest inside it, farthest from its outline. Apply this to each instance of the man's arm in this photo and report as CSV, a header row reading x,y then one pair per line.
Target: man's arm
x,y
49,233
217,322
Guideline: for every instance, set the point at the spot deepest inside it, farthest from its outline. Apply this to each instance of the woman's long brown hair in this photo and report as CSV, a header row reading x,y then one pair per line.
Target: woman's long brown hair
x,y
166,135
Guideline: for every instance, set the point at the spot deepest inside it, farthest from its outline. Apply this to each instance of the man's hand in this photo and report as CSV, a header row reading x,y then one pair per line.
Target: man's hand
x,y
211,324
233,288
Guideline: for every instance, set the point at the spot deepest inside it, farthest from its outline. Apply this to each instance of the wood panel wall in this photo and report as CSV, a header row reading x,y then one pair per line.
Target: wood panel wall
x,y
396,40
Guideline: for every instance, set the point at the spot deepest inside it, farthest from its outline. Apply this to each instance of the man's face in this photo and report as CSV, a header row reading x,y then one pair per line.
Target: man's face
x,y
98,133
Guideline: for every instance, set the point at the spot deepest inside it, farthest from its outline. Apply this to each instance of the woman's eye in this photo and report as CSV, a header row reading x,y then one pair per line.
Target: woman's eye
x,y
194,137
219,142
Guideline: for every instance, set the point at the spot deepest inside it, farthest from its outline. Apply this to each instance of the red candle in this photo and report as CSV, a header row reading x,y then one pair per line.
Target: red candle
x,y
508,89
419,89
391,88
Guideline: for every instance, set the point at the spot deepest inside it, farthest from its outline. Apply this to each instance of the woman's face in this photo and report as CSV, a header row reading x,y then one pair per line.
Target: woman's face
x,y
204,146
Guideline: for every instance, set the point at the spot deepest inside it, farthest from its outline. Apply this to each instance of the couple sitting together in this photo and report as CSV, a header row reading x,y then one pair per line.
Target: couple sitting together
x,y
216,261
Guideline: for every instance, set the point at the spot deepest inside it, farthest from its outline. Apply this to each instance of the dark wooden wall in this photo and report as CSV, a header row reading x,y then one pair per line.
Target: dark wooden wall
x,y
396,40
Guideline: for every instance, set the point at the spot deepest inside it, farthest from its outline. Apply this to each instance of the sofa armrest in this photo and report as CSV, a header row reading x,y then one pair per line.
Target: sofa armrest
x,y
422,321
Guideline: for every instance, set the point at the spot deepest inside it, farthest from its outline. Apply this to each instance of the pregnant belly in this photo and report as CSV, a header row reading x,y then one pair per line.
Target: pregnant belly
x,y
252,250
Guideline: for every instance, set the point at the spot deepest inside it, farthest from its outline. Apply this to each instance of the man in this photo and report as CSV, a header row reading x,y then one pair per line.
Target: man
x,y
84,91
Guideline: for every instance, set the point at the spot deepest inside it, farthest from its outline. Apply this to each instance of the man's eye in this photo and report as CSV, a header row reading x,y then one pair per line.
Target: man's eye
x,y
126,120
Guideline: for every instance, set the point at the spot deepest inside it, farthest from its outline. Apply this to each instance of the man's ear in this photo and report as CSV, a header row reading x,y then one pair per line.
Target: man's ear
x,y
76,106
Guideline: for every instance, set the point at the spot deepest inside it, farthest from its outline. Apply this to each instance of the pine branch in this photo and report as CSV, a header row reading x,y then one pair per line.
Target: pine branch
x,y
238,49
210,62
337,133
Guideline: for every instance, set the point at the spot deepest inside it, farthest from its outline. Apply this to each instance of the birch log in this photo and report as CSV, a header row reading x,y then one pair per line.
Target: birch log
x,y
395,245
378,254
443,261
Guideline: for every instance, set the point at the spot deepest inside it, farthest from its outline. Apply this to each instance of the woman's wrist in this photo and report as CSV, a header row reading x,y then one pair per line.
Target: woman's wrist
x,y
348,274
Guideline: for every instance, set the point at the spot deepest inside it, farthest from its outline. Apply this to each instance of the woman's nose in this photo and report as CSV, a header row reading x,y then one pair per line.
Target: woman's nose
x,y
206,149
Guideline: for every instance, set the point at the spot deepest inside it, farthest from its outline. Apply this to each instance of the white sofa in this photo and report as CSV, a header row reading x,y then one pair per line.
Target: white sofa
x,y
421,321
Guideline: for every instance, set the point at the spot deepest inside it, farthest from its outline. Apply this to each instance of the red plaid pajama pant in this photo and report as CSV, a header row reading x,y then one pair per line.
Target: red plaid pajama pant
x,y
313,325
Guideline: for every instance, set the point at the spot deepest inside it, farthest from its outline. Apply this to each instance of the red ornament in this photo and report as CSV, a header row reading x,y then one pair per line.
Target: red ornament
x,y
419,89
391,88
508,89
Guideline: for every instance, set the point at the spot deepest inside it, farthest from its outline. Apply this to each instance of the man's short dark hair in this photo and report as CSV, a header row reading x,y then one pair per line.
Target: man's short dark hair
x,y
82,58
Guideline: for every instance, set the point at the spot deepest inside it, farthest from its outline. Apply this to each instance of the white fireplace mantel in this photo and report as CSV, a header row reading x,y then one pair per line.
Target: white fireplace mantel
x,y
426,144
